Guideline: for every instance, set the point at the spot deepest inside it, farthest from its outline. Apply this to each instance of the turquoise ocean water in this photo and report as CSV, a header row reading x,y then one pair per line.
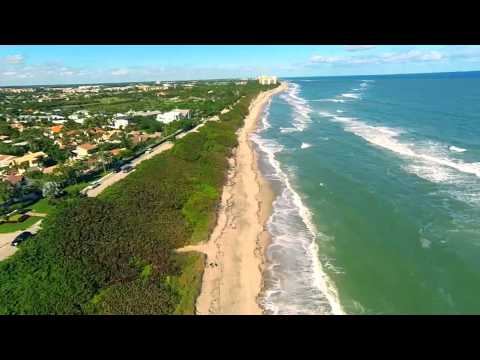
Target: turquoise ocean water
x,y
378,195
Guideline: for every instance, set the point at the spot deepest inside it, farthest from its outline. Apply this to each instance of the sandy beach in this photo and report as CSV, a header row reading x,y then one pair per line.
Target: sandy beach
x,y
232,279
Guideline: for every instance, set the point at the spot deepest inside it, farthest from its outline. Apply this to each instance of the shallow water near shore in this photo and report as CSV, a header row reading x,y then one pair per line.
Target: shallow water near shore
x,y
378,195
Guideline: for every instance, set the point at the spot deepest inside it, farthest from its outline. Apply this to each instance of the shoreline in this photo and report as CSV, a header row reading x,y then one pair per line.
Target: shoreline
x,y
233,276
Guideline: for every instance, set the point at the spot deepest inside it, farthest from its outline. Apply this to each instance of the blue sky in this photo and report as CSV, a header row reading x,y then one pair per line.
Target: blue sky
x,y
59,64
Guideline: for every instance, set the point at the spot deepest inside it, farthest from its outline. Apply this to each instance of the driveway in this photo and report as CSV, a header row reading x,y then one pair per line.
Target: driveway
x,y
6,249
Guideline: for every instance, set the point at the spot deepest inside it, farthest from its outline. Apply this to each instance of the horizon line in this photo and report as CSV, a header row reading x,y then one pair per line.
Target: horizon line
x,y
232,78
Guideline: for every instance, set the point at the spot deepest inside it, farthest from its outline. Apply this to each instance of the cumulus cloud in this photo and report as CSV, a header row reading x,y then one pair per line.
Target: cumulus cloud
x,y
120,72
14,59
358,47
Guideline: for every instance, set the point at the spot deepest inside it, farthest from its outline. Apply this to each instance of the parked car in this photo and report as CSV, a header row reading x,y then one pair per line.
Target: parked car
x,y
148,151
127,168
95,184
21,238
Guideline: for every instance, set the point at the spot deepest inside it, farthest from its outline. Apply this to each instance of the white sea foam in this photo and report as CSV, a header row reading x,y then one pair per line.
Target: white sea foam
x,y
288,130
301,109
456,149
427,156
340,111
330,100
350,96
295,280
305,145
266,113
325,114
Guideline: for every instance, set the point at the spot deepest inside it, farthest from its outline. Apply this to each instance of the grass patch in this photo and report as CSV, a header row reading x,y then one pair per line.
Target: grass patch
x,y
188,284
42,206
8,228
74,189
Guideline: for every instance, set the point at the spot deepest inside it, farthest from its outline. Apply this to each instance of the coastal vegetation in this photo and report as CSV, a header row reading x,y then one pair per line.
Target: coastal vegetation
x,y
115,254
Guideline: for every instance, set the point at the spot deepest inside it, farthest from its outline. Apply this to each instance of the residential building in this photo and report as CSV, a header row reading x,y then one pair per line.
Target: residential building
x,y
57,129
116,152
19,126
84,150
267,80
6,160
120,123
50,169
173,115
31,158
14,179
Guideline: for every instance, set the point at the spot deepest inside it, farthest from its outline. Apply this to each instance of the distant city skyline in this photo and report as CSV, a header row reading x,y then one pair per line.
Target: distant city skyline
x,y
81,64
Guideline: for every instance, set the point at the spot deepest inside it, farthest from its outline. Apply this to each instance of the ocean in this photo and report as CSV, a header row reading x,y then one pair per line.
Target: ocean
x,y
378,195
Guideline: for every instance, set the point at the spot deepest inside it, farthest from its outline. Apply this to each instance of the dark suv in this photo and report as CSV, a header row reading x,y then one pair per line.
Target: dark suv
x,y
21,238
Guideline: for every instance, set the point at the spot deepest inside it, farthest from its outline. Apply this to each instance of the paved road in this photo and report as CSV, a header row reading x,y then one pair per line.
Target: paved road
x,y
114,177
6,249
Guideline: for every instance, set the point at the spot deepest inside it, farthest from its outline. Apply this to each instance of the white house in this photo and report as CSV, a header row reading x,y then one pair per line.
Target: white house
x,y
56,117
173,115
79,116
120,123
267,80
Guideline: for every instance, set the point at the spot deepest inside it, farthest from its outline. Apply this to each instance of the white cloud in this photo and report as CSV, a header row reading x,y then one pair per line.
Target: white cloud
x,y
14,59
412,55
120,72
326,59
392,57
358,47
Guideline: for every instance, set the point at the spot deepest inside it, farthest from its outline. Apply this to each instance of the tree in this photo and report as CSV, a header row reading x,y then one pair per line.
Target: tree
x,y
6,191
51,190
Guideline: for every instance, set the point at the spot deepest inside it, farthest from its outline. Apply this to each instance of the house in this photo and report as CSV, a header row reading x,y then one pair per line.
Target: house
x,y
56,117
50,169
120,123
120,116
107,135
96,131
116,152
31,158
84,150
6,160
138,137
56,129
79,116
173,115
18,126
267,80
14,179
